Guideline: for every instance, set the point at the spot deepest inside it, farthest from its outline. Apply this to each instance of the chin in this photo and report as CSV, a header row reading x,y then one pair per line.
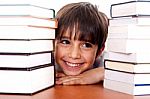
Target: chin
x,y
72,73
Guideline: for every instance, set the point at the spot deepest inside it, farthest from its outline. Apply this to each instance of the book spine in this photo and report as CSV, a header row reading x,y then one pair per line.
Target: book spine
x,y
53,12
122,3
27,68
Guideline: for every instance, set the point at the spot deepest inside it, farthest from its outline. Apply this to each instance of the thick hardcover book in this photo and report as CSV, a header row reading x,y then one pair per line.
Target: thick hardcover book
x,y
131,78
131,8
133,20
132,89
25,10
41,3
128,57
26,46
129,31
28,20
28,80
128,67
128,45
24,60
26,32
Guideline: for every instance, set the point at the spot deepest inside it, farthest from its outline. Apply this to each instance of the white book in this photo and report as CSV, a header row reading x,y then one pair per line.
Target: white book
x,y
26,32
121,1
140,57
25,10
129,31
26,81
127,66
25,46
138,20
131,8
131,78
138,89
128,45
42,3
28,20
24,60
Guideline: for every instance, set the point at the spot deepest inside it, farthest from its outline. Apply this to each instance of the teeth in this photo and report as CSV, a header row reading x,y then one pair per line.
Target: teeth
x,y
72,64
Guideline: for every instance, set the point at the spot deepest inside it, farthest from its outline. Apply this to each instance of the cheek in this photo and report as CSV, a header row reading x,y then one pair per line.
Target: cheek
x,y
59,52
90,57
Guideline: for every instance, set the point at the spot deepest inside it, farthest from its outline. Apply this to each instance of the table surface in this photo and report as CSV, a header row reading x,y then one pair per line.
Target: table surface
x,y
75,92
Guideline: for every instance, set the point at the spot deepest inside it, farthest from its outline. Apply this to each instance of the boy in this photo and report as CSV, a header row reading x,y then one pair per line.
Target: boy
x,y
80,39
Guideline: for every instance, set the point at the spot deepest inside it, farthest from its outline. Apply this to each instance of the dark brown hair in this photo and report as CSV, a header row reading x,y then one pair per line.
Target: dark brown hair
x,y
90,24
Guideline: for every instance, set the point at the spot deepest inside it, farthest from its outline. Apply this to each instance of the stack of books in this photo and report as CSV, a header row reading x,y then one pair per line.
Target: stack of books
x,y
26,52
127,61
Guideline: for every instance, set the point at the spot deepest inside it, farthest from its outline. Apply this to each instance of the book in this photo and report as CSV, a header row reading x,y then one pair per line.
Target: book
x,y
26,10
128,67
131,78
132,89
26,80
131,8
28,20
133,20
140,57
129,31
24,60
128,45
121,1
26,46
42,3
26,32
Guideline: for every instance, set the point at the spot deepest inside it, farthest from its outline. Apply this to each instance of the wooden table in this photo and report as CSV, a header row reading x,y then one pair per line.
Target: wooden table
x,y
75,92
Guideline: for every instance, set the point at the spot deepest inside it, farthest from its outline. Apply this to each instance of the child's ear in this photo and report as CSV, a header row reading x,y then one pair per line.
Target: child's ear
x,y
100,51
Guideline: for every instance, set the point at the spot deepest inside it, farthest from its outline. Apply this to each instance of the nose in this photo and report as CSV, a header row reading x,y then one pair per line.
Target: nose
x,y
74,52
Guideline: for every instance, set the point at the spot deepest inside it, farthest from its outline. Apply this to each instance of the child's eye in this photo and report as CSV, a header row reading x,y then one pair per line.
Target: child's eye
x,y
65,41
87,45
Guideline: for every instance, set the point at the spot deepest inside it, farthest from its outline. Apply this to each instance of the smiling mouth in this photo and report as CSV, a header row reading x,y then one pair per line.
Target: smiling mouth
x,y
73,64
73,67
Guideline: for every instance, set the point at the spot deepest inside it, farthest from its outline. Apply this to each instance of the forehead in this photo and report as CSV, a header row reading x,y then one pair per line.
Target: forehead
x,y
71,34
74,34
77,32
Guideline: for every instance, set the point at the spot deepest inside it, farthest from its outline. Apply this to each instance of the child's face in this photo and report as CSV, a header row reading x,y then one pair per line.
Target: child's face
x,y
74,56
